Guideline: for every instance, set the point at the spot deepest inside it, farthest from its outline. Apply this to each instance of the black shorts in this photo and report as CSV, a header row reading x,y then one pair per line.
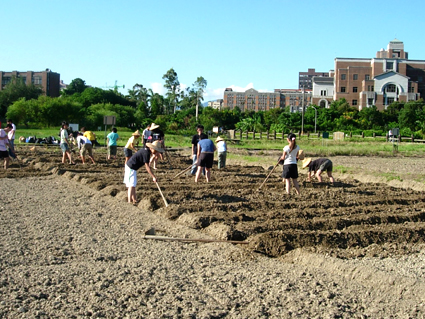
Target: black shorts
x,y
290,171
128,152
4,154
206,160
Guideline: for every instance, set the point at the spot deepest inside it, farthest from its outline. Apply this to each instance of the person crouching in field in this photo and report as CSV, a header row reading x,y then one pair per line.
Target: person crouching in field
x,y
222,152
136,161
318,166
205,155
85,145
290,167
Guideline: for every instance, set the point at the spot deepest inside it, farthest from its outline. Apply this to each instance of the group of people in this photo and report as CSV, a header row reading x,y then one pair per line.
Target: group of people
x,y
85,141
291,154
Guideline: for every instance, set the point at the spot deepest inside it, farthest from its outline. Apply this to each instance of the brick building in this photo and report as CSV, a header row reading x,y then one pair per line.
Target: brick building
x,y
293,98
379,81
49,81
251,99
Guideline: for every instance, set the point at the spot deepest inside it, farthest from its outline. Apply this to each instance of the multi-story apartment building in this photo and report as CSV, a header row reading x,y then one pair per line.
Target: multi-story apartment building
x,y
295,99
217,104
252,100
305,78
379,81
49,81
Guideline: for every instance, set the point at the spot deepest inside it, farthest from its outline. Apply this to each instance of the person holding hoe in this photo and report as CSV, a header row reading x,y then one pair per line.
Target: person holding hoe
x,y
136,161
317,167
290,167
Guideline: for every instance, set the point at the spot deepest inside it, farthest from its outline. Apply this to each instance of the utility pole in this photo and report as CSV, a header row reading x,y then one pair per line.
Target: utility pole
x,y
302,113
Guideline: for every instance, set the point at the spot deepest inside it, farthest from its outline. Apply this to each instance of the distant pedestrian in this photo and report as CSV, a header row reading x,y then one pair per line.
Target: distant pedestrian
x,y
222,152
195,140
111,139
157,135
317,167
205,155
4,144
132,142
142,157
11,137
64,145
146,134
85,146
290,167
90,135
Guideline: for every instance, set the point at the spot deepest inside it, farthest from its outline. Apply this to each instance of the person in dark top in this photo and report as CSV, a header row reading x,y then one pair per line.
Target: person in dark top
x,y
195,140
316,167
157,135
205,154
136,161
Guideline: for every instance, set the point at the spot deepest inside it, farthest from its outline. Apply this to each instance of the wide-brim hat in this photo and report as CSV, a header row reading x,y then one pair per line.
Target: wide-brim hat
x,y
301,154
137,133
218,139
154,126
306,162
156,146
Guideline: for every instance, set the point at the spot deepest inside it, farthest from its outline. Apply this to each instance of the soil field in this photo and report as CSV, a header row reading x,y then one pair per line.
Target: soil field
x,y
350,219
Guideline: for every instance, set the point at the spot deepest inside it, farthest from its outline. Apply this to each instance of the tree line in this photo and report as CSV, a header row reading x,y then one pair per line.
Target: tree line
x,y
175,111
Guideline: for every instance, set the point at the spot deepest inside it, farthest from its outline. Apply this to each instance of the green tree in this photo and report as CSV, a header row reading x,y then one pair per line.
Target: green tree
x,y
172,84
76,86
15,90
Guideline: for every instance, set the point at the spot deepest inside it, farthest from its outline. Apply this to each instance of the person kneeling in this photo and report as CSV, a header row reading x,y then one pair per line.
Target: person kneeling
x,y
134,163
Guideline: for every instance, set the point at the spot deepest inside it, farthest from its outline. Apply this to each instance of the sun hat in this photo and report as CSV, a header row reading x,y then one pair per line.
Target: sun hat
x,y
301,154
154,126
137,133
218,139
22,139
306,162
156,146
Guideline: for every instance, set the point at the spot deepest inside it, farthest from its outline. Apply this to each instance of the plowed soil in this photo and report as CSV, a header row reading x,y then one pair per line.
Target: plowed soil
x,y
349,219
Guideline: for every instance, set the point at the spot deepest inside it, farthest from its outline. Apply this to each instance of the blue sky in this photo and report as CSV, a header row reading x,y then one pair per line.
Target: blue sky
x,y
239,44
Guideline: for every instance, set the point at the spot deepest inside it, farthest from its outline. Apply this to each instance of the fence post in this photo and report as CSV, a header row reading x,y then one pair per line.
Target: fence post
x,y
351,134
374,134
283,136
387,137
240,134
253,134
268,134
261,135
308,134
274,134
246,134
362,134
318,134
299,134
413,138
399,138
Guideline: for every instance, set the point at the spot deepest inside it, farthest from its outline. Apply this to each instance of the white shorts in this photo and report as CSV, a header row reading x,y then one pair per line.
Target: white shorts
x,y
130,177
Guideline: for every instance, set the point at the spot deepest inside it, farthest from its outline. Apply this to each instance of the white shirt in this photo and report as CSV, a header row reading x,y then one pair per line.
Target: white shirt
x,y
82,140
3,142
11,134
291,157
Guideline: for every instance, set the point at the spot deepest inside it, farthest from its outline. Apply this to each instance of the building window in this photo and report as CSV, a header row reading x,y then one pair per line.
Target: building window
x,y
355,76
323,93
343,76
342,89
390,65
411,89
5,80
367,77
354,89
354,102
36,80
369,102
390,88
390,100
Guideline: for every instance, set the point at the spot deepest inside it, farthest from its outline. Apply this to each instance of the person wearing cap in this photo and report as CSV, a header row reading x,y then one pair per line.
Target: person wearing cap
x,y
290,167
85,145
131,145
195,140
317,167
140,158
222,152
157,135
205,155
4,144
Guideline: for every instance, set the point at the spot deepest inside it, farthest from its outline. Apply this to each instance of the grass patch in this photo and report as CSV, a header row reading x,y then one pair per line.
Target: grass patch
x,y
342,169
391,176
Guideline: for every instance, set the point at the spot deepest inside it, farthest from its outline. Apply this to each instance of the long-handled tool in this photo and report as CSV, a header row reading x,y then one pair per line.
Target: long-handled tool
x,y
165,201
194,240
269,175
183,171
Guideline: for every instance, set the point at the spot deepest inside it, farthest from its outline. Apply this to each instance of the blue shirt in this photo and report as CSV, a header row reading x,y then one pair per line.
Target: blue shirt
x,y
113,137
206,145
